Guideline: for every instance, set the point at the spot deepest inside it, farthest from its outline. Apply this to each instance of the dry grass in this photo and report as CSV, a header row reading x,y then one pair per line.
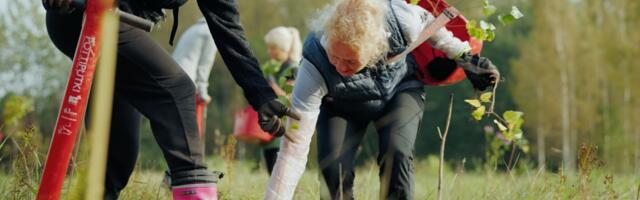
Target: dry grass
x,y
248,183
244,180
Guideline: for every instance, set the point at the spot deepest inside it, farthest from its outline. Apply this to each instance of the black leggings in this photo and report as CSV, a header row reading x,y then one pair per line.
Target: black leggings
x,y
148,83
340,136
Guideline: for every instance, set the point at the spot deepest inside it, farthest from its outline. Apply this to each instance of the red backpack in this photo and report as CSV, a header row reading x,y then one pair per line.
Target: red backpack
x,y
434,68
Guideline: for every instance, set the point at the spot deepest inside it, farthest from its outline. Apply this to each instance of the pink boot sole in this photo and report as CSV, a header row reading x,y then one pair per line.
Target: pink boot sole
x,y
200,191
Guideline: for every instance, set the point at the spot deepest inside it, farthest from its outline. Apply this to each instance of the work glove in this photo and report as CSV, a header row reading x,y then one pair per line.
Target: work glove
x,y
269,117
479,70
60,6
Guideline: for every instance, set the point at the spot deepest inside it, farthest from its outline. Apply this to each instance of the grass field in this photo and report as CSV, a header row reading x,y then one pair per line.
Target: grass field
x,y
244,181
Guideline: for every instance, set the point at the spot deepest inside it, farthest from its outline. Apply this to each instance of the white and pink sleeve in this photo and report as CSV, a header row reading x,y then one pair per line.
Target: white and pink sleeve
x,y
292,158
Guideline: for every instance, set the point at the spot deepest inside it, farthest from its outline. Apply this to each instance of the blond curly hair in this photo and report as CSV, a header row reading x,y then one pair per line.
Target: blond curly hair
x,y
359,24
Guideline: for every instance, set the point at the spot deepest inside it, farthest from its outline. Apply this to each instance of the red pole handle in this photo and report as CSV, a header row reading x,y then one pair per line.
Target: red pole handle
x,y
74,102
125,17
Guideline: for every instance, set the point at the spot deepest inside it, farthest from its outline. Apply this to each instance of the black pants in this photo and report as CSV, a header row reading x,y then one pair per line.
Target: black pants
x,y
339,138
270,157
148,83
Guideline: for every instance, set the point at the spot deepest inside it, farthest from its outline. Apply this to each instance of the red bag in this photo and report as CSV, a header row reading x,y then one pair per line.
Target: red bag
x,y
434,68
201,116
246,127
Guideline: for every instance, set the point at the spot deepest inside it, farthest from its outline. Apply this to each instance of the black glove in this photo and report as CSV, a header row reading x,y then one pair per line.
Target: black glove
x,y
60,6
269,117
480,71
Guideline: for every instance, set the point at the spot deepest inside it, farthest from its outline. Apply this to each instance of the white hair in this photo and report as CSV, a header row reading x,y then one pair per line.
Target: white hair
x,y
361,24
286,39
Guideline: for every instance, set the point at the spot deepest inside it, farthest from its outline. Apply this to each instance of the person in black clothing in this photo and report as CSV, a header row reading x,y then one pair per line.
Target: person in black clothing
x,y
149,83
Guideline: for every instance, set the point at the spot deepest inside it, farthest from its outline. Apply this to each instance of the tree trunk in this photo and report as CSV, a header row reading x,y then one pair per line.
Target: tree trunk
x,y
541,144
573,122
606,108
626,118
637,134
568,159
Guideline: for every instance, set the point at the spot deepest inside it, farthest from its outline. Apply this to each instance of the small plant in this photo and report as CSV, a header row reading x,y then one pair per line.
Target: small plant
x,y
20,146
484,30
610,192
229,155
443,140
587,161
271,68
510,122
26,167
509,126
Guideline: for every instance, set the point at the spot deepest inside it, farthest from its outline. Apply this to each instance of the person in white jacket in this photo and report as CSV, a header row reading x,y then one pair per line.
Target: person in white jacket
x,y
195,52
344,83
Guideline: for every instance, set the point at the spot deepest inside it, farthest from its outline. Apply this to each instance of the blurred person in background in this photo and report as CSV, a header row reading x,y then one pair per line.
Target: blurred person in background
x,y
285,51
195,52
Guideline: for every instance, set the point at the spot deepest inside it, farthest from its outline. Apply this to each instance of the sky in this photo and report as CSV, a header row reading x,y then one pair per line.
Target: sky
x,y
26,52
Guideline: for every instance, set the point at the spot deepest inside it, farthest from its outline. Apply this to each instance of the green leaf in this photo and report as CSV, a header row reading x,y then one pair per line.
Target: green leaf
x,y
481,31
484,25
474,31
478,113
477,33
271,67
506,19
284,100
490,35
415,2
515,13
525,148
517,134
287,88
512,117
500,125
473,102
486,97
515,121
282,81
488,9
511,17
472,24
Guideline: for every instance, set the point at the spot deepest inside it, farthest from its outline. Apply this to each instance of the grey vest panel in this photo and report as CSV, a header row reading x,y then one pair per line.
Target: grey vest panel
x,y
367,91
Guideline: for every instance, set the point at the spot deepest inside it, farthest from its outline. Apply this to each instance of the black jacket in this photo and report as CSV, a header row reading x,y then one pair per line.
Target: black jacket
x,y
224,23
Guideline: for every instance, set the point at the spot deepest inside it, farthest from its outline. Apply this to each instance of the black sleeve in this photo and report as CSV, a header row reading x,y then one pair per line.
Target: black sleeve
x,y
224,23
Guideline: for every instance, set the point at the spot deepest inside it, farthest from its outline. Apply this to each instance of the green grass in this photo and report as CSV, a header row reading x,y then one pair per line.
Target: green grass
x,y
244,180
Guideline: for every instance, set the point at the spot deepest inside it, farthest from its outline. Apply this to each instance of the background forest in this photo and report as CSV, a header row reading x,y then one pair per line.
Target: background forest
x,y
571,66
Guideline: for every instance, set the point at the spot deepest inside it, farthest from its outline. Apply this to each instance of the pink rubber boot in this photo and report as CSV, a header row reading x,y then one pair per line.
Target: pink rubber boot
x,y
198,191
